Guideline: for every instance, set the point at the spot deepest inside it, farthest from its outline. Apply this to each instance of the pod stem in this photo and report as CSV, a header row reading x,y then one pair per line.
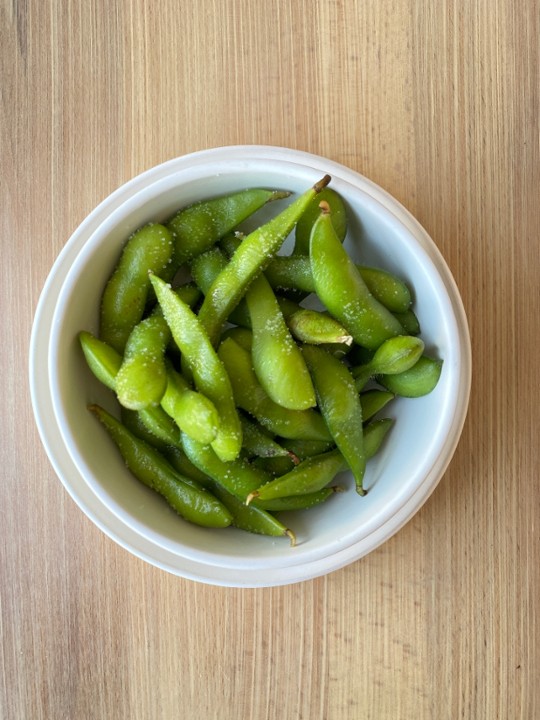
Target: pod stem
x,y
252,496
323,182
291,536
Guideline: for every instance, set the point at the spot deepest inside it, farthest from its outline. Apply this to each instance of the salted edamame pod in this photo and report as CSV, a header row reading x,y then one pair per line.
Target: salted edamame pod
x,y
150,468
200,225
277,359
305,224
419,380
251,257
142,377
124,297
209,374
342,290
340,406
251,397
193,412
393,356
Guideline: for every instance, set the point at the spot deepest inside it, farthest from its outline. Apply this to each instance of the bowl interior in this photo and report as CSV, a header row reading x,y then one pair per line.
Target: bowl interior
x,y
399,478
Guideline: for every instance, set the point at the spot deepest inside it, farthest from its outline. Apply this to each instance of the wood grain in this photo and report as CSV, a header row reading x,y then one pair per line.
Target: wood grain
x,y
439,104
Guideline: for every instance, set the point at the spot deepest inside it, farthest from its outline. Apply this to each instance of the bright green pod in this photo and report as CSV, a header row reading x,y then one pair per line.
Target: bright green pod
x,y
311,475
304,226
237,477
250,258
206,267
374,400
250,396
393,356
340,406
293,272
296,502
199,226
317,328
142,377
257,443
274,466
419,380
104,361
303,449
252,518
149,467
277,359
123,301
194,413
342,290
409,322
209,374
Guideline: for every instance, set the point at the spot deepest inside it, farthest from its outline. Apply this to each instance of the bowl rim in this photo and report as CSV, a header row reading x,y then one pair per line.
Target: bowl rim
x,y
63,463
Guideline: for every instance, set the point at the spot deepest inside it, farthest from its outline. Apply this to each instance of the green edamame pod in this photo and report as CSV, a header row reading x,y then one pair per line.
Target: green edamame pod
x,y
342,290
374,434
251,397
393,356
197,227
124,298
372,401
277,359
340,407
252,518
105,362
249,259
312,475
149,467
257,443
206,267
142,377
387,288
238,477
209,374
194,413
311,213
274,466
419,380
102,359
303,449
293,272
317,328
182,464
296,502
409,322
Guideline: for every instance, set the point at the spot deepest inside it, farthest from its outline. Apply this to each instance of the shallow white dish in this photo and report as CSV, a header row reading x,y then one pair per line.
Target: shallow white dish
x,y
400,478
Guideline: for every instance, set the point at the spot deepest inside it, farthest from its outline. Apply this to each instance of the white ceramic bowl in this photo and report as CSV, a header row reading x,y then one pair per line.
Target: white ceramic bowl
x,y
400,478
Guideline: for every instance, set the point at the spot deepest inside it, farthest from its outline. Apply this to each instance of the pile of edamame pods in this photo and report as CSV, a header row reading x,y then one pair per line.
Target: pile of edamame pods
x,y
237,399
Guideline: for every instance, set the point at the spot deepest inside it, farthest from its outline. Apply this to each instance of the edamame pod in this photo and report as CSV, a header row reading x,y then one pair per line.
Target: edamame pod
x,y
339,403
199,226
373,401
293,272
297,502
257,443
277,359
252,518
419,380
251,257
312,475
149,467
194,413
124,298
238,477
251,397
142,377
209,374
393,356
317,328
304,226
342,290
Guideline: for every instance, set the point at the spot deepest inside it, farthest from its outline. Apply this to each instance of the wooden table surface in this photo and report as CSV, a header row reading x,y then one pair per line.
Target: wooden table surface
x,y
438,102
